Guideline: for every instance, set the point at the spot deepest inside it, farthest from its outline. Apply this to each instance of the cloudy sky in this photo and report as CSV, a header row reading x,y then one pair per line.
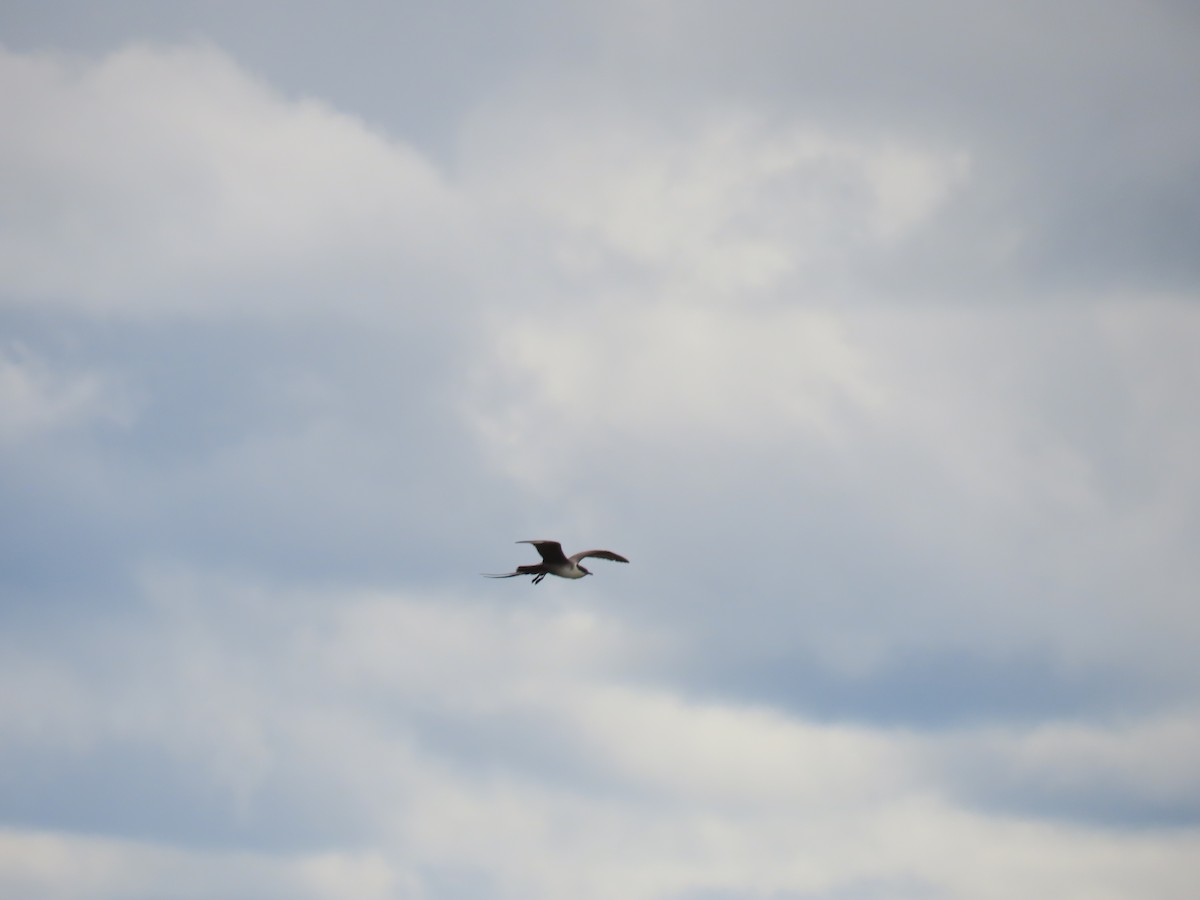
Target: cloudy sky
x,y
866,330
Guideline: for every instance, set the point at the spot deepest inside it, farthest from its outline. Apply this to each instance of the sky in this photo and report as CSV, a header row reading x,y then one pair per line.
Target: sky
x,y
867,331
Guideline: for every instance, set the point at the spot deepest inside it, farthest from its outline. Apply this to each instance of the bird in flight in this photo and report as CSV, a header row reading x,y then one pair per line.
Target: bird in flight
x,y
554,562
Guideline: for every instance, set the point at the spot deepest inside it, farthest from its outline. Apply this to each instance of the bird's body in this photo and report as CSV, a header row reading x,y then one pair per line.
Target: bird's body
x,y
555,562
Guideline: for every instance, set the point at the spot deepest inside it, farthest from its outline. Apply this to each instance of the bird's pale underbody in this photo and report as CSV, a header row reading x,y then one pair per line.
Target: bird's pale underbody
x,y
555,562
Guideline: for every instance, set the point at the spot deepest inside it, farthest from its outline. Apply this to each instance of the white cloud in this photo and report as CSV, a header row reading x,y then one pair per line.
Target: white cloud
x,y
36,399
160,179
559,389
43,865
735,758
715,210
655,795
1129,765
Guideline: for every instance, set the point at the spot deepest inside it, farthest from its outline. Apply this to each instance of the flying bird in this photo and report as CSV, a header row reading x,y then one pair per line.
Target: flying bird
x,y
555,562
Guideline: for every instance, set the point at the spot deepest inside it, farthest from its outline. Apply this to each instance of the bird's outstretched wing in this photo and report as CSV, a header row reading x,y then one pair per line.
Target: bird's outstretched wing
x,y
599,554
551,551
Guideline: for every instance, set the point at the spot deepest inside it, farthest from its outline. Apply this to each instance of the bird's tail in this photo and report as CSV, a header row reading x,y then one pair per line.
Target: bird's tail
x,y
534,569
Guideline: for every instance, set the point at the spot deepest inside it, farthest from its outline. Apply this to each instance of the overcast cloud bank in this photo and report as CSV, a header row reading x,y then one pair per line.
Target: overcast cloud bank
x,y
871,346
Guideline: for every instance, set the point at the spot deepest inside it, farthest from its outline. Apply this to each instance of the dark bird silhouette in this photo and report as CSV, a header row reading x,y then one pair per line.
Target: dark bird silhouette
x,y
554,562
